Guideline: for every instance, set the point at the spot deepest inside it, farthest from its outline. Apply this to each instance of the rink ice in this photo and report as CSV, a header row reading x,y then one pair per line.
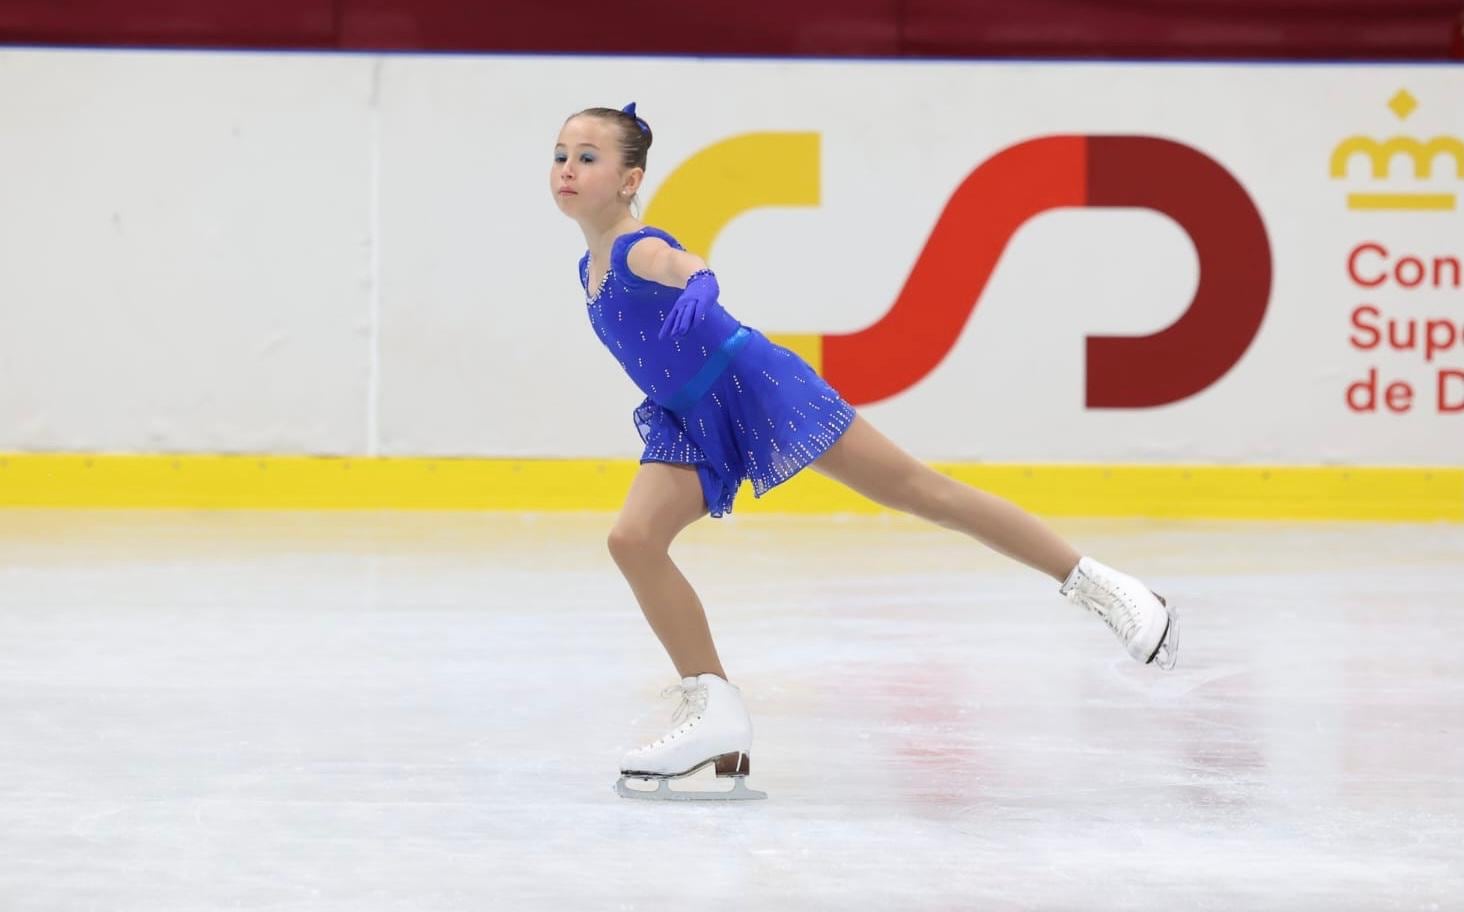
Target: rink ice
x,y
425,711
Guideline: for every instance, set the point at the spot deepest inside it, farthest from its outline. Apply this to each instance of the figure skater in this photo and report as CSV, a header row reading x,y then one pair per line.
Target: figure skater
x,y
724,404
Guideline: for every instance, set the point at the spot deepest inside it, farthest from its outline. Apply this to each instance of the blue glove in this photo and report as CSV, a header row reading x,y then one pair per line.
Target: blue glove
x,y
701,293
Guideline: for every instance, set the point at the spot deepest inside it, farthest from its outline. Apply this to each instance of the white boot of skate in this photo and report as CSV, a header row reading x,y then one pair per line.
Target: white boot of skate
x,y
1144,622
714,729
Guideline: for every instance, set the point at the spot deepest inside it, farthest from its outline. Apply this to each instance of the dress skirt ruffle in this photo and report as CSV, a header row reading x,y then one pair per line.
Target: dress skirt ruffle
x,y
764,419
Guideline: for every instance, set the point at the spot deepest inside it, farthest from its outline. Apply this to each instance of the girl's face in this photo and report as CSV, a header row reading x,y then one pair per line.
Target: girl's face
x,y
586,176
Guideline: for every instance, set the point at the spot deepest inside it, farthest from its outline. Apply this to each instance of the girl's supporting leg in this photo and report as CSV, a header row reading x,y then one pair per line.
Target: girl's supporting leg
x,y
663,500
871,464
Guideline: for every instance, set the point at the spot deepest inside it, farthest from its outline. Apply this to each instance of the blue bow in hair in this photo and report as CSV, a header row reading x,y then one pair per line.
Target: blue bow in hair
x,y
630,109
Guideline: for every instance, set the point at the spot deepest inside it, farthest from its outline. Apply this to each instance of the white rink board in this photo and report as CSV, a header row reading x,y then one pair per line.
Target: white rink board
x,y
181,252
358,254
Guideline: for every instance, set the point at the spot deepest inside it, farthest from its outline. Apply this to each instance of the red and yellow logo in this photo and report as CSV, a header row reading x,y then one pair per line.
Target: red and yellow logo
x,y
948,277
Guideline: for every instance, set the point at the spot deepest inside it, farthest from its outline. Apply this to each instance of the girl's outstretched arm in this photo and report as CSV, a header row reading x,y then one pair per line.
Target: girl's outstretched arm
x,y
653,259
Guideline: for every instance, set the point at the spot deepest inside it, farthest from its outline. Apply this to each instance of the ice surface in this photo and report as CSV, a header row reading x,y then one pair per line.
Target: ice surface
x,y
425,711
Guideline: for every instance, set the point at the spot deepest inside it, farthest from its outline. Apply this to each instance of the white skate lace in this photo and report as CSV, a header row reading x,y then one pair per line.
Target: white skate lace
x,y
1121,618
693,700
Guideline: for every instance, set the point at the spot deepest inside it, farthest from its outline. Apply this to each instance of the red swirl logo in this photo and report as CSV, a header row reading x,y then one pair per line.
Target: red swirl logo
x,y
949,276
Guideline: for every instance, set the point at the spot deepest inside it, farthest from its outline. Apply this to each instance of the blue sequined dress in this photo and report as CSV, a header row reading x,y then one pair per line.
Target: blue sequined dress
x,y
723,397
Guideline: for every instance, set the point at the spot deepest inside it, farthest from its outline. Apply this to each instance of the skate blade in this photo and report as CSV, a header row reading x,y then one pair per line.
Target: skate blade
x,y
664,792
1168,652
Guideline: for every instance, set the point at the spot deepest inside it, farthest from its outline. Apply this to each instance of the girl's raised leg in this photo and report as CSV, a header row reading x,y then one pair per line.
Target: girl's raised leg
x,y
867,461
871,464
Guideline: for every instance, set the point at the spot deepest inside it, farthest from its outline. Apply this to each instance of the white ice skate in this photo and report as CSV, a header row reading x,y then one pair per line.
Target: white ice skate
x,y
1145,623
716,730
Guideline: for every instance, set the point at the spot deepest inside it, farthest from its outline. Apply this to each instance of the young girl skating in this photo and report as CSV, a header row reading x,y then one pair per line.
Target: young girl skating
x,y
724,404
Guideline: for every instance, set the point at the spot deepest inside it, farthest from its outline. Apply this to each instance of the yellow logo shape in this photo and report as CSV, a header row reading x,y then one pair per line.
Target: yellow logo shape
x,y
724,180
1381,153
1403,103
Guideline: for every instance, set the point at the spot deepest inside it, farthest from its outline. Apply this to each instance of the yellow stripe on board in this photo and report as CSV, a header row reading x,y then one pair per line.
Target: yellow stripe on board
x,y
303,482
1412,202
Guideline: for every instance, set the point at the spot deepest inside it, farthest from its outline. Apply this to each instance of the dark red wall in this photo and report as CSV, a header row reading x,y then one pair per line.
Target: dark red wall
x,y
1235,29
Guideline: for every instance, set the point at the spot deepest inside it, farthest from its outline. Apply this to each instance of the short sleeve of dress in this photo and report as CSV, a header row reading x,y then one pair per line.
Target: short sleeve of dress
x,y
620,254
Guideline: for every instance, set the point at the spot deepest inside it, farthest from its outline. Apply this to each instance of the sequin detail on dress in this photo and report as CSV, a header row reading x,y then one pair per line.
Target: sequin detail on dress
x,y
763,418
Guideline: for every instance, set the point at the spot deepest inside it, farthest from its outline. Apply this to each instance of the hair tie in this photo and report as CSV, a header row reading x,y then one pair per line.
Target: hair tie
x,y
630,109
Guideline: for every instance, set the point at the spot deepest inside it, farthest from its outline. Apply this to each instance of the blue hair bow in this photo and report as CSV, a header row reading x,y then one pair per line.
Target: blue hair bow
x,y
630,109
